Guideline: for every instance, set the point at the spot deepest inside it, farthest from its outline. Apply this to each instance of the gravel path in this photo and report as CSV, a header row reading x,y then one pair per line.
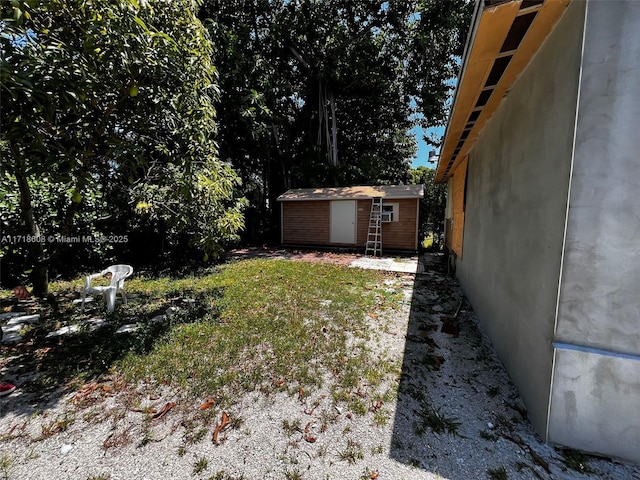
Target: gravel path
x,y
456,415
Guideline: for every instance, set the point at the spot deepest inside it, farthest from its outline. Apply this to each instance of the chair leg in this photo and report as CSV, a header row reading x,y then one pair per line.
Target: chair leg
x,y
111,299
84,296
124,297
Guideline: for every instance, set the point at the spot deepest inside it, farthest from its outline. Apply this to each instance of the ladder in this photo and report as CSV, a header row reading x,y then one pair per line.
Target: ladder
x,y
374,235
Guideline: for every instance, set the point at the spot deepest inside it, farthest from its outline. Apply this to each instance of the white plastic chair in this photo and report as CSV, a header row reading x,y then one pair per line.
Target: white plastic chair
x,y
118,274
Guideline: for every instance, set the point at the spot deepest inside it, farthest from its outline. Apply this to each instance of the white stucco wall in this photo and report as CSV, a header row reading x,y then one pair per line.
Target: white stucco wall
x,y
596,389
517,193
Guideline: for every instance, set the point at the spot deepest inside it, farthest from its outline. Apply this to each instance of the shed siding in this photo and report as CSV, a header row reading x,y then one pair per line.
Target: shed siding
x,y
400,235
306,223
309,223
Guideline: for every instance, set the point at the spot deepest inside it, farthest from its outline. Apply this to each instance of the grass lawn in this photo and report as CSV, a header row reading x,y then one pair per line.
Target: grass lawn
x,y
265,325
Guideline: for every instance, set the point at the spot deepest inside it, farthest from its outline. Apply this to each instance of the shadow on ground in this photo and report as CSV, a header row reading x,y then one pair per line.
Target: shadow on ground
x,y
457,413
68,347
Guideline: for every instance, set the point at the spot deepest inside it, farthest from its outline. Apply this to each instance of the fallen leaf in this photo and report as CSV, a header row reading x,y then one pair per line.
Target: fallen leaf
x,y
280,382
144,410
163,411
374,475
373,315
450,327
306,436
220,427
300,393
208,404
376,407
225,420
310,411
216,433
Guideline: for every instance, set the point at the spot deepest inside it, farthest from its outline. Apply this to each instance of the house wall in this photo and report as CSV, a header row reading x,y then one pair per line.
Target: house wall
x,y
458,194
596,395
309,222
517,188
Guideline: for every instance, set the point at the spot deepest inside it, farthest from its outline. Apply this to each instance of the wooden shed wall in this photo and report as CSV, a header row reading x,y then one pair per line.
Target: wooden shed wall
x,y
306,223
403,234
309,223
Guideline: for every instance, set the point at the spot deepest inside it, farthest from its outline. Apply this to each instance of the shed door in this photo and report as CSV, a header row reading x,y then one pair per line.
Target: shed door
x,y
343,221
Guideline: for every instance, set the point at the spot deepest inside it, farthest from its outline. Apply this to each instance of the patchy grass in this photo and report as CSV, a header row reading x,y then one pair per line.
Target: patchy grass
x,y
497,474
200,465
576,460
5,466
252,325
351,453
429,418
269,324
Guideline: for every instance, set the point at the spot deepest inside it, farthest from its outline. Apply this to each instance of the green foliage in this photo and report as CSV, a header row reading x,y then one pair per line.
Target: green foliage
x,y
576,460
432,206
291,71
497,473
116,97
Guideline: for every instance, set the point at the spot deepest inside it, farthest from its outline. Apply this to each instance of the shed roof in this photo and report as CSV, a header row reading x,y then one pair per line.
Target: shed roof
x,y
353,193
504,36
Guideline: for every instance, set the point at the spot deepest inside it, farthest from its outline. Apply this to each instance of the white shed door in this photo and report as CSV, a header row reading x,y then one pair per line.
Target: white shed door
x,y
343,221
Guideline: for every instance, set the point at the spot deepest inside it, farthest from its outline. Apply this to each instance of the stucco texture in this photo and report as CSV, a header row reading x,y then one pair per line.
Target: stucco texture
x,y
517,189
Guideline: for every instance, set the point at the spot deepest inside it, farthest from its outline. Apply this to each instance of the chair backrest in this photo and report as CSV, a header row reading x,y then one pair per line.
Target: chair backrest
x,y
119,273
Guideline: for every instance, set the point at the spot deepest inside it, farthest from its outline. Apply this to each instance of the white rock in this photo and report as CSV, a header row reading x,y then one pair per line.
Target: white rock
x,y
79,300
128,328
63,331
12,328
94,323
171,311
11,338
7,315
490,425
158,319
24,319
64,449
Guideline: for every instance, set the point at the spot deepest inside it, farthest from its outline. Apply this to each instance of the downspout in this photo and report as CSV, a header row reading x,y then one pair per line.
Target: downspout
x,y
566,217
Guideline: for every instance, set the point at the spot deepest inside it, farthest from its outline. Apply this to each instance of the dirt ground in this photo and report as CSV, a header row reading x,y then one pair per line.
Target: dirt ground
x,y
455,414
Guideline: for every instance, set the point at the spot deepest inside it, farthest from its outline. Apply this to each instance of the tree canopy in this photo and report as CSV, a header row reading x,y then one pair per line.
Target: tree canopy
x,y
153,119
114,97
325,93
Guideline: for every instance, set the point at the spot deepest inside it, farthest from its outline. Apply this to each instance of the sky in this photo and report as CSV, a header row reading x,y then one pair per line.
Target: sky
x,y
423,148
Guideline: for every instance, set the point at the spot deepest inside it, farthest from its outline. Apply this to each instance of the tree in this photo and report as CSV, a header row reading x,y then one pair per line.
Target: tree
x,y
118,94
432,206
325,93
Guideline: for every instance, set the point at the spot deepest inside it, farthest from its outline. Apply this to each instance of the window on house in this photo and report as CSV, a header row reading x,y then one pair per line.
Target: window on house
x,y
390,212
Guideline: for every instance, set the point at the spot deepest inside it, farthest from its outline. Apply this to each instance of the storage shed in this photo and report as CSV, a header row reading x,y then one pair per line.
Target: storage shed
x,y
340,216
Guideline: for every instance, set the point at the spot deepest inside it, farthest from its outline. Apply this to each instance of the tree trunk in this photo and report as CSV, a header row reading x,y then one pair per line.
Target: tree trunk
x,y
39,274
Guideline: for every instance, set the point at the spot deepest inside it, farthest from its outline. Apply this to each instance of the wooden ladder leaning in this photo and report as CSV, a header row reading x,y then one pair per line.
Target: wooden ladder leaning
x,y
374,235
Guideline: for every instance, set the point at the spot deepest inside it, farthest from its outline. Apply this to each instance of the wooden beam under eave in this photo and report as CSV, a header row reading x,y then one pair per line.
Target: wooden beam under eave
x,y
547,17
494,25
